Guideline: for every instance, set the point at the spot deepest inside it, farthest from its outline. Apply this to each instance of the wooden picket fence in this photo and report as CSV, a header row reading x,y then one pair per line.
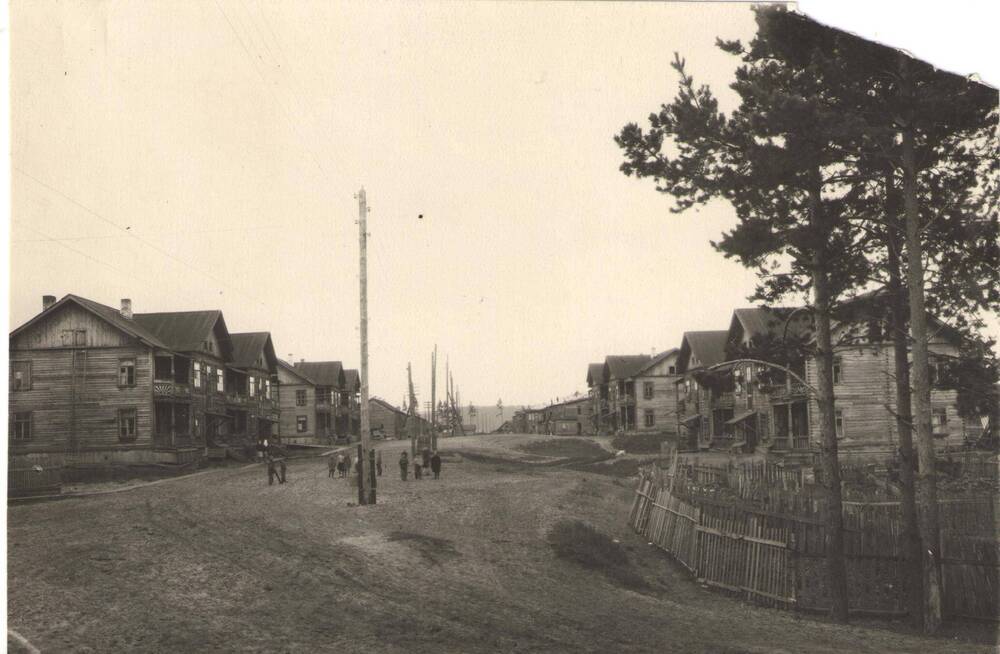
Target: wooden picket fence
x,y
775,556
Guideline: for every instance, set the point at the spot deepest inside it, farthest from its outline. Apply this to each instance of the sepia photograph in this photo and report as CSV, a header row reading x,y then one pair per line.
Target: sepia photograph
x,y
428,326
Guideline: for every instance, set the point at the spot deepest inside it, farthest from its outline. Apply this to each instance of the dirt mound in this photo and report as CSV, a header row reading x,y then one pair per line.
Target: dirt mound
x,y
580,543
432,549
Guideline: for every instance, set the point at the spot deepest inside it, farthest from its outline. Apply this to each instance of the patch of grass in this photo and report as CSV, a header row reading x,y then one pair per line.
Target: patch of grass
x,y
638,443
575,448
576,541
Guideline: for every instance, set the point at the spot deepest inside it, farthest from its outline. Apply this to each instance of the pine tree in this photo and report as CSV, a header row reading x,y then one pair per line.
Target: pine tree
x,y
779,159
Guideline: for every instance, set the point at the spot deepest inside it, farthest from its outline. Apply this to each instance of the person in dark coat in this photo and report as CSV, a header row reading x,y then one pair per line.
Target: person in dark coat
x,y
426,455
275,469
417,469
404,465
436,465
331,466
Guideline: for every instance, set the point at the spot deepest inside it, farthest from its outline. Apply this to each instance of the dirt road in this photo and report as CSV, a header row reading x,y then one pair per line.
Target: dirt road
x,y
223,562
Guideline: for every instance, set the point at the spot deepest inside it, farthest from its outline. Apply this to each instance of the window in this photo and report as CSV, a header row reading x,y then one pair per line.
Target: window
x,y
20,375
939,422
301,424
647,390
267,389
649,418
126,425
22,426
838,421
220,381
253,386
197,374
126,372
672,370
300,398
838,371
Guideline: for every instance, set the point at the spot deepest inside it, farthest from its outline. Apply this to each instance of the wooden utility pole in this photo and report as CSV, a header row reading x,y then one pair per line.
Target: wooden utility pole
x,y
434,436
411,418
366,491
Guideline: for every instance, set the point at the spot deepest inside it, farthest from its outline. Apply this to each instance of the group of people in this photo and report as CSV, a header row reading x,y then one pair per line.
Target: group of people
x,y
273,460
340,466
427,459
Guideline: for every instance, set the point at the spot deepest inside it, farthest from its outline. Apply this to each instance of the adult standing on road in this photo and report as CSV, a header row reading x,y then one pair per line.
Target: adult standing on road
x,y
404,465
436,465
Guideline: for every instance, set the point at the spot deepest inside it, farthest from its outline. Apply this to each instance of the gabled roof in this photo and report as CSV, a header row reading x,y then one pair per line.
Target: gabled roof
x,y
595,374
380,401
185,331
624,366
323,373
102,311
284,365
659,358
352,380
249,346
708,346
771,321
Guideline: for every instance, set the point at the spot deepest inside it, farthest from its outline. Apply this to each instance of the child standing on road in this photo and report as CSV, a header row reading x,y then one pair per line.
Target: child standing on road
x,y
404,465
417,469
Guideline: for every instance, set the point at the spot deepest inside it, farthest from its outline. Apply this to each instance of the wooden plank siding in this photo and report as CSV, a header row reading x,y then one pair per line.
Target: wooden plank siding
x,y
866,397
65,418
288,410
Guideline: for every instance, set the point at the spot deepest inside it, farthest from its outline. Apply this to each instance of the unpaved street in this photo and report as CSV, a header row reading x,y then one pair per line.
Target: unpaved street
x,y
222,562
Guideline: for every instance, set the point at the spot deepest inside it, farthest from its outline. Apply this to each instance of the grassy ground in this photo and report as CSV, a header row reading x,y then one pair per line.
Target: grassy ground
x,y
513,557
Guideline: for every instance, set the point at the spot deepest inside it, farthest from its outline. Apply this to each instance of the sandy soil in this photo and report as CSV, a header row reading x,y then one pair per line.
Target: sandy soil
x,y
223,562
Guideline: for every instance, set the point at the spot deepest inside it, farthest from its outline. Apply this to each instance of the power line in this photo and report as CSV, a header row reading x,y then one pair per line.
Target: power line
x,y
127,231
184,233
82,253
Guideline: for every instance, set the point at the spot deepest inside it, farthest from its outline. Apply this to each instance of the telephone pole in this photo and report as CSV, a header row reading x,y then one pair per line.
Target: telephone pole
x,y
366,487
434,436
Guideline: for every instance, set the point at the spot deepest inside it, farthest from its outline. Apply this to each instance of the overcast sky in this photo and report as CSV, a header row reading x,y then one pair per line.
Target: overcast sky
x,y
201,155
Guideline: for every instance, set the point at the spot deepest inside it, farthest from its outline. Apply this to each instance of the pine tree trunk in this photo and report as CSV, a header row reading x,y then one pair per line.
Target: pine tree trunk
x,y
920,377
912,549
830,465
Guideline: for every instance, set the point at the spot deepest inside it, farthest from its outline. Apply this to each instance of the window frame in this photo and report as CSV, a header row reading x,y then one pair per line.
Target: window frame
x,y
13,373
837,370
130,363
196,374
648,390
839,423
300,397
301,424
123,415
22,418
649,418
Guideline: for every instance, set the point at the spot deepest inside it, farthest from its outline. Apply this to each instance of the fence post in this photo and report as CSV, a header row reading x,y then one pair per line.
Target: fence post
x,y
793,564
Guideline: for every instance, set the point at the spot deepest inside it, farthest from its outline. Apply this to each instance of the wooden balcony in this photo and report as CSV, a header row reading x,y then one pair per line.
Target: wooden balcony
x,y
790,393
162,388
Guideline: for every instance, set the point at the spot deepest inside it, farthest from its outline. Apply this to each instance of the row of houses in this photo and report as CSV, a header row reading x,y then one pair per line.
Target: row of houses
x,y
98,385
745,389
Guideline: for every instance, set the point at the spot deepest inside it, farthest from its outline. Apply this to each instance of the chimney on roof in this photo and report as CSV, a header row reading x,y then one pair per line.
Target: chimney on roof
x,y
126,308
48,301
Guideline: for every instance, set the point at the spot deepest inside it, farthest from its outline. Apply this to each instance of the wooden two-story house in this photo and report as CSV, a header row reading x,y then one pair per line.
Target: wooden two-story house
x,y
386,420
194,411
699,351
329,380
570,417
252,388
99,385
655,384
619,371
297,402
